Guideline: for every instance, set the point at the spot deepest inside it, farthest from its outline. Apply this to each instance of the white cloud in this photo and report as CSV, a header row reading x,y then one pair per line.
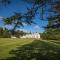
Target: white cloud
x,y
8,26
1,17
36,27
24,24
24,30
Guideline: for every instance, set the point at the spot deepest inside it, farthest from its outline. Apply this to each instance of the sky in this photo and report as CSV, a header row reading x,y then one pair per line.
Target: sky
x,y
16,6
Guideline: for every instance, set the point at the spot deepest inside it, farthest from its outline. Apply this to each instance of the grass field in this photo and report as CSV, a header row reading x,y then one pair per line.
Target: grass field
x,y
6,44
29,49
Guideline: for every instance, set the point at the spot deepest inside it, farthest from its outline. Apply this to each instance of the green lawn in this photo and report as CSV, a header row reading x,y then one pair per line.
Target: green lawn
x,y
29,49
7,44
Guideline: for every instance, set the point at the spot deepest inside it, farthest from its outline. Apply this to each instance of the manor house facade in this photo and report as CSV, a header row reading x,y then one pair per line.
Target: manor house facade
x,y
31,35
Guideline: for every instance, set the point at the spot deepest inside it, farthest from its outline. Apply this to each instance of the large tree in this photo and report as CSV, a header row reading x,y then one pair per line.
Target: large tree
x,y
53,27
41,7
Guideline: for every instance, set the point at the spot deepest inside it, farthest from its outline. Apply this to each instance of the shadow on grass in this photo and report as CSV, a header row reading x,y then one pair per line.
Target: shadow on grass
x,y
37,50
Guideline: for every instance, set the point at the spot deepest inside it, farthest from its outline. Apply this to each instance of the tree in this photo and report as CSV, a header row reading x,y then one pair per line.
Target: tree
x,y
17,19
53,27
5,2
18,33
4,33
1,31
50,6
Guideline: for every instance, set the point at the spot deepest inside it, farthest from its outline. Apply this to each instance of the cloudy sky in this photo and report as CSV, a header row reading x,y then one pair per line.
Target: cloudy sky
x,y
6,11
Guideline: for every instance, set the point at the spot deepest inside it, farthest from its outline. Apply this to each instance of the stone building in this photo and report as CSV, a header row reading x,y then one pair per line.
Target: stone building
x,y
31,35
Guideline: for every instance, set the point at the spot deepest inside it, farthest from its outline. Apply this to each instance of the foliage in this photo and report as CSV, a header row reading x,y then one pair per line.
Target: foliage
x,y
5,33
53,28
51,34
18,20
18,33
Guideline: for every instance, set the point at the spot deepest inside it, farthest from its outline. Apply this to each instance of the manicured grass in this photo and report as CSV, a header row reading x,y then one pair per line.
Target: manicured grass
x,y
7,44
29,49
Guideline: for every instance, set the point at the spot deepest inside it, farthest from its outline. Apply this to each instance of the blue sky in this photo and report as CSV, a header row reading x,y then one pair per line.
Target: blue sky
x,y
6,11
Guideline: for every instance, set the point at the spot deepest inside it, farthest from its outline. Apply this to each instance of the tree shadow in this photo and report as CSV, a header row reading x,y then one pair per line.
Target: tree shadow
x,y
37,50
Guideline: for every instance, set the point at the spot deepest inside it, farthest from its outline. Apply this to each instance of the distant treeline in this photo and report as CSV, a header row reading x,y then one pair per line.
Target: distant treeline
x,y
52,34
5,33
